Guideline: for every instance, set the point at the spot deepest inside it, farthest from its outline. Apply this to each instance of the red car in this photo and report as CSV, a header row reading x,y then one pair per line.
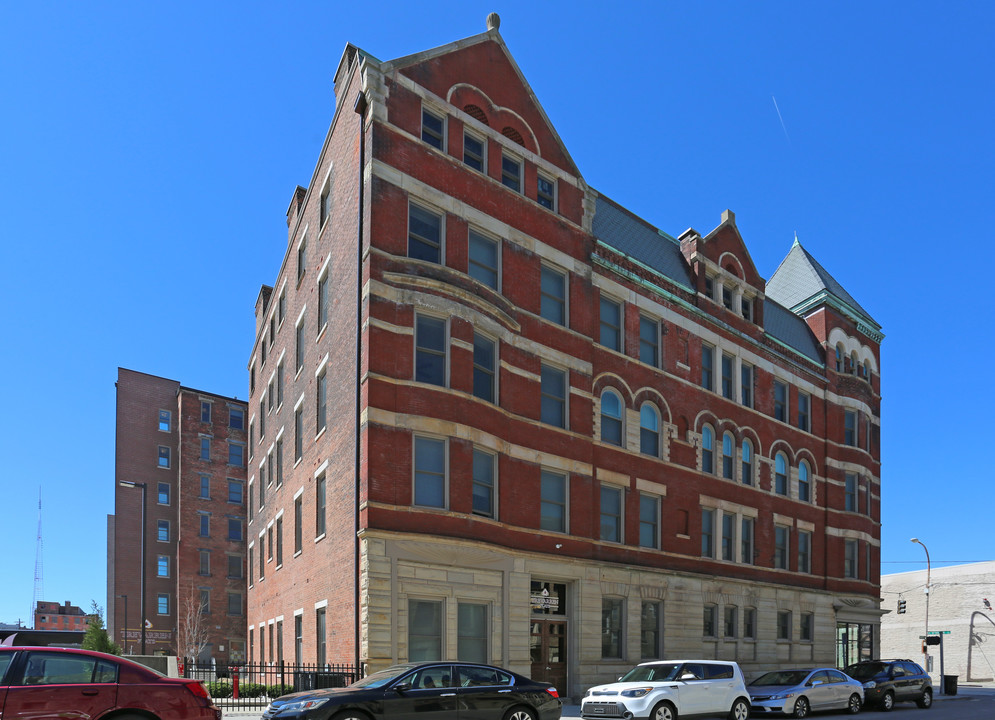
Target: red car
x,y
50,682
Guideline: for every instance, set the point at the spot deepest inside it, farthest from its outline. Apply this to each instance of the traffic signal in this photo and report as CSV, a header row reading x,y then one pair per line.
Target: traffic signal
x,y
901,607
933,640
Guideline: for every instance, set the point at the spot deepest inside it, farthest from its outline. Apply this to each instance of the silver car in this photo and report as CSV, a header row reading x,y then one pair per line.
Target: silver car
x,y
798,692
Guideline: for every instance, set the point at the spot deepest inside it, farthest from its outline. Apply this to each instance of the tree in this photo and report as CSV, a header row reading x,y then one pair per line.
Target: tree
x,y
192,626
96,637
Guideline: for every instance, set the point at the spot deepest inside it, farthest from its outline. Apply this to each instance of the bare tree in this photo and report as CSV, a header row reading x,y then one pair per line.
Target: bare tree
x,y
192,625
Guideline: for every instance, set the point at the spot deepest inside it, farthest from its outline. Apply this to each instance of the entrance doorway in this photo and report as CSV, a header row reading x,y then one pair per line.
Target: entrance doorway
x,y
548,648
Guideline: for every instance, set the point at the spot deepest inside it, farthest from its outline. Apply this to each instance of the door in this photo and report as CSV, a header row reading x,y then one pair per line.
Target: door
x,y
431,696
61,685
484,693
821,692
548,646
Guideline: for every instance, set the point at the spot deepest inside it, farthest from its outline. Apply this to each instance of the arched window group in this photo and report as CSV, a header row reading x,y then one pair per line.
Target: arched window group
x,y
613,423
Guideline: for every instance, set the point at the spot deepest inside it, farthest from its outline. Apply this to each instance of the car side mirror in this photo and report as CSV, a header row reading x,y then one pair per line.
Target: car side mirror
x,y
402,687
814,683
689,676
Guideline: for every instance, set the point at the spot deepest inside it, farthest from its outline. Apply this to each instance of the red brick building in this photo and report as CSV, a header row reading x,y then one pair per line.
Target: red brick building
x,y
52,616
188,447
583,442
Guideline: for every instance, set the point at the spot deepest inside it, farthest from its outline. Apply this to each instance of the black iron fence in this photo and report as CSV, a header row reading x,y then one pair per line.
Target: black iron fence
x,y
252,685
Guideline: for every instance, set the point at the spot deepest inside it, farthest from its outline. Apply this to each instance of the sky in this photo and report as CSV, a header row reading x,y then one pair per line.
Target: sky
x,y
149,152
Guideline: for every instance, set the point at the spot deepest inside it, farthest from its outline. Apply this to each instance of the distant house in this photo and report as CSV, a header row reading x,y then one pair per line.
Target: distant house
x,y
52,616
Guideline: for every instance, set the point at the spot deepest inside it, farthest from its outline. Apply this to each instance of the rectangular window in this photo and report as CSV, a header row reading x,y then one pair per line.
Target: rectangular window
x,y
483,483
234,603
483,263
782,536
553,388
780,401
649,521
322,303
299,639
205,487
546,192
319,634
850,428
850,559
730,614
746,541
747,309
279,540
708,367
471,633
611,513
424,630
234,529
807,628
783,624
321,401
236,418
649,630
205,411
250,564
430,472
262,486
424,235
484,367
553,295
299,353
851,492
162,494
511,172
553,501
279,384
473,151
728,537
262,417
649,341
279,462
162,604
165,420
707,532
298,524
432,127
262,556
298,433
746,384
301,258
804,551
750,623
326,199
727,376
163,531
430,350
611,627
163,456
235,567
162,566
319,506
281,307
235,491
205,525
205,562
708,621
726,297
236,454
611,324
804,401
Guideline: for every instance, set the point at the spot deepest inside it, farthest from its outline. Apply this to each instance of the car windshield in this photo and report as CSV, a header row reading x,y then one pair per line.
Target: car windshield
x,y
864,671
652,673
784,677
379,679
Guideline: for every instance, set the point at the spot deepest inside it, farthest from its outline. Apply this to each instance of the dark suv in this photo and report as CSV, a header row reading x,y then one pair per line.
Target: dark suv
x,y
889,681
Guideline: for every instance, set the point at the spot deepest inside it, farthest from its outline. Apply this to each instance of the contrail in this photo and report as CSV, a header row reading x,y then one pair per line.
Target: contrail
x,y
786,136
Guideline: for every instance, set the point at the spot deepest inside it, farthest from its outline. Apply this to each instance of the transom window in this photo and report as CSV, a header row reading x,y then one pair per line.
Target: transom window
x,y
424,234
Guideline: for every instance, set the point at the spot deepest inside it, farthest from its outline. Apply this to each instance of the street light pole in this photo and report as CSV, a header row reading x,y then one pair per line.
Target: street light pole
x,y
144,487
925,654
125,623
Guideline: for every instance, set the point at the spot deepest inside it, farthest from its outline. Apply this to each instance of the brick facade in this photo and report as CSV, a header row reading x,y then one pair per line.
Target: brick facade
x,y
189,449
632,565
52,616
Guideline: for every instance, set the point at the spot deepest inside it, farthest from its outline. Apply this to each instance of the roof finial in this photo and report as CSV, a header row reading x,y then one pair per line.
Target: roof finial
x,y
493,21
796,238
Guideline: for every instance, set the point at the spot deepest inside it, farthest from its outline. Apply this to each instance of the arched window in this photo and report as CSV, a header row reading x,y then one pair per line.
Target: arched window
x,y
839,357
780,474
854,363
727,456
707,450
804,483
611,418
649,430
867,369
747,459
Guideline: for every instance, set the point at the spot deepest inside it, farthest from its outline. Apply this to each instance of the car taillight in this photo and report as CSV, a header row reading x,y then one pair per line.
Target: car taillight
x,y
552,691
198,689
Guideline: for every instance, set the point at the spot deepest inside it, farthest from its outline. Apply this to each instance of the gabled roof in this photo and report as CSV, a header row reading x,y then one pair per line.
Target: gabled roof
x,y
616,227
800,283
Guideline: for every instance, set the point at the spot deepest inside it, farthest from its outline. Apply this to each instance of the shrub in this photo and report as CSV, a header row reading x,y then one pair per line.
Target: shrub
x,y
251,690
275,691
218,689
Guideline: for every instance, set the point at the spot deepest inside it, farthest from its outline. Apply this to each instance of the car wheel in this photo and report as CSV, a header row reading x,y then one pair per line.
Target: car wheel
x,y
351,715
801,707
740,710
520,713
664,711
853,706
888,701
926,701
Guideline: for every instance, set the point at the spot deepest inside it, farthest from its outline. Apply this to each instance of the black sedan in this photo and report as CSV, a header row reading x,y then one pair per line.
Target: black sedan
x,y
437,690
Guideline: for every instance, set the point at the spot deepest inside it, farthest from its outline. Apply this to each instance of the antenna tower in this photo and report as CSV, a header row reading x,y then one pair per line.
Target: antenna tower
x,y
39,581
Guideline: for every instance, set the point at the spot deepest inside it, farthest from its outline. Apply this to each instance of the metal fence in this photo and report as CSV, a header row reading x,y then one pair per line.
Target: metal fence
x,y
252,685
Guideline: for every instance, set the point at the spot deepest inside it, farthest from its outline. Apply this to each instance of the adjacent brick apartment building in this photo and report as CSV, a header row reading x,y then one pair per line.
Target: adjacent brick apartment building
x,y
52,616
583,442
189,448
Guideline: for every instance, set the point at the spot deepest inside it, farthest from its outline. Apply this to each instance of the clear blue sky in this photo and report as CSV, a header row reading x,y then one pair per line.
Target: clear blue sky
x,y
148,152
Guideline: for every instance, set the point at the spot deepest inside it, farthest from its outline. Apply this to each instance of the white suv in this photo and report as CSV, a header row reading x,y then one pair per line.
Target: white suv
x,y
668,689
